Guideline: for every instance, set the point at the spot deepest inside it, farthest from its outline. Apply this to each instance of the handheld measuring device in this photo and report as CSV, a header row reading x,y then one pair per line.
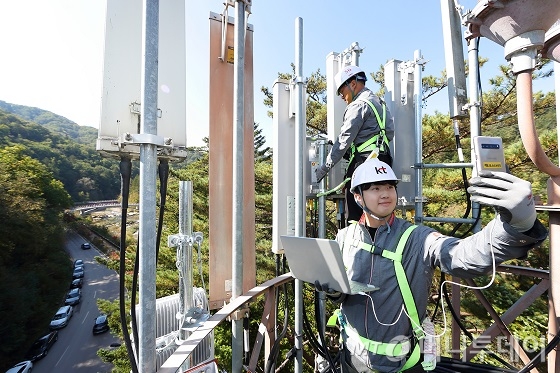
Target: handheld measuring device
x,y
488,153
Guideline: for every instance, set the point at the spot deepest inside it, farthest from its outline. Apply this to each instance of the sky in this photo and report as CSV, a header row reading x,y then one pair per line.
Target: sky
x,y
52,51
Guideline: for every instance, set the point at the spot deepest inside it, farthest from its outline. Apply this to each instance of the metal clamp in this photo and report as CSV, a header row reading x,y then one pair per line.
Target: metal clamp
x,y
468,106
240,314
176,240
135,108
247,3
144,138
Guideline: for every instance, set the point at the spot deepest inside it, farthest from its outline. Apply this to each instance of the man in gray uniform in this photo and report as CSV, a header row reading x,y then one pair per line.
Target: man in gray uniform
x,y
383,330
367,126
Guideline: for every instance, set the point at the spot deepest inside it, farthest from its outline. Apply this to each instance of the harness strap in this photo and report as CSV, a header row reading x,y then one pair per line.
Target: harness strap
x,y
409,303
380,121
399,349
405,287
376,140
390,349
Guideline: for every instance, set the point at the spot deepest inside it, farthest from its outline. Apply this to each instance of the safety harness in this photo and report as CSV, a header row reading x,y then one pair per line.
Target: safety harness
x,y
399,349
378,141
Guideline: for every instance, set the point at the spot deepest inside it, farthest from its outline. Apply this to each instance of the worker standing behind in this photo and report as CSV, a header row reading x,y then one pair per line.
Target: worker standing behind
x,y
367,126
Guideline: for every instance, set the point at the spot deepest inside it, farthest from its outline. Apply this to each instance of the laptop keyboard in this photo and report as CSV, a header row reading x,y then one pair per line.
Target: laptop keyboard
x,y
360,287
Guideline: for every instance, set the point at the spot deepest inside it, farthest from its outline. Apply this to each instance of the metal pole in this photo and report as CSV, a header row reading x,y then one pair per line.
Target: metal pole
x,y
148,169
322,233
186,273
553,361
356,51
299,181
474,108
237,210
322,201
418,133
474,111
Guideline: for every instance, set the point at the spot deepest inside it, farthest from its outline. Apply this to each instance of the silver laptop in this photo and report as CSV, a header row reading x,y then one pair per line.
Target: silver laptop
x,y
318,259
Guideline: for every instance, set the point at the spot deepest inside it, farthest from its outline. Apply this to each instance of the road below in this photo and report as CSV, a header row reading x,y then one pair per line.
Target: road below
x,y
76,348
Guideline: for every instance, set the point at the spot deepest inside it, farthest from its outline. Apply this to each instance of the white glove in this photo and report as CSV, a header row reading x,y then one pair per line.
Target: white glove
x,y
321,172
511,196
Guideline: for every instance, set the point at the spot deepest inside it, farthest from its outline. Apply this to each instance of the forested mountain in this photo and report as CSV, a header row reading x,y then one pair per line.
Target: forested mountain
x,y
34,268
70,157
54,122
68,149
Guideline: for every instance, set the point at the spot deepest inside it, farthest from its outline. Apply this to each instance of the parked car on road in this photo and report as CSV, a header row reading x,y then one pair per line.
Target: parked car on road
x,y
77,283
86,246
78,273
78,263
61,318
73,297
23,367
101,324
41,346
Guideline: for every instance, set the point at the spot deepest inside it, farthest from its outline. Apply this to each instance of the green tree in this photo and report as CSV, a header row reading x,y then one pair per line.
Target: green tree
x,y
34,270
262,152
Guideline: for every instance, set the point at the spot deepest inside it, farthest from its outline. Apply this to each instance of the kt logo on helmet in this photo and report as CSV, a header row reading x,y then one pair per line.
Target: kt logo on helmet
x,y
381,170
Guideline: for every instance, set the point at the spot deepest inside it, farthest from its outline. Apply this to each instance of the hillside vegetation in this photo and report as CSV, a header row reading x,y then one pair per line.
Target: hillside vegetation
x,y
83,172
45,168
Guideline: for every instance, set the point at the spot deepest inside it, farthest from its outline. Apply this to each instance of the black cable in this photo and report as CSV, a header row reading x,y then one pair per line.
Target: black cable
x,y
467,333
549,347
125,169
246,354
320,323
313,342
308,330
476,220
477,41
163,172
133,319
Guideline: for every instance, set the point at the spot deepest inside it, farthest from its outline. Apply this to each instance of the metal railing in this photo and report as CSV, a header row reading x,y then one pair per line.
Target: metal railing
x,y
266,332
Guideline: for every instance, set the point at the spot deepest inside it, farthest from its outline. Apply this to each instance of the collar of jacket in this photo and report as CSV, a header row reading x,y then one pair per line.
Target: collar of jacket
x,y
365,89
389,222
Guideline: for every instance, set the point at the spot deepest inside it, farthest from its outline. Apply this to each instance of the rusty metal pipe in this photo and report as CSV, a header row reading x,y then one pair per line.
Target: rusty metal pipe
x,y
527,128
535,151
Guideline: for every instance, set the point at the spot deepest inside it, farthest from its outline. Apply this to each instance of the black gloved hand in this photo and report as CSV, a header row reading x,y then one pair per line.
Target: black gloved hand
x,y
321,172
325,288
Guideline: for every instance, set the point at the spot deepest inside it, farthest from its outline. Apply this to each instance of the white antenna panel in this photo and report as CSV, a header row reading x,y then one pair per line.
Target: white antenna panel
x,y
122,77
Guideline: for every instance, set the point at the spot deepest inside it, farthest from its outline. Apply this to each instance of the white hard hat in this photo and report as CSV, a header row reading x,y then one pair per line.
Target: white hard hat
x,y
346,73
372,171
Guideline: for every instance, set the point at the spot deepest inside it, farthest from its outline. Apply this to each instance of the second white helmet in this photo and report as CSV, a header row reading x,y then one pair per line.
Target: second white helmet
x,y
372,171
346,73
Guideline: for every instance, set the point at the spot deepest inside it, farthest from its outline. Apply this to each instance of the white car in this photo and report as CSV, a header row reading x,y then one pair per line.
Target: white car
x,y
23,367
61,318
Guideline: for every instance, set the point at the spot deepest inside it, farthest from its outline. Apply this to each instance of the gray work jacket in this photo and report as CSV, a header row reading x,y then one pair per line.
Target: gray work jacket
x,y
425,250
359,125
